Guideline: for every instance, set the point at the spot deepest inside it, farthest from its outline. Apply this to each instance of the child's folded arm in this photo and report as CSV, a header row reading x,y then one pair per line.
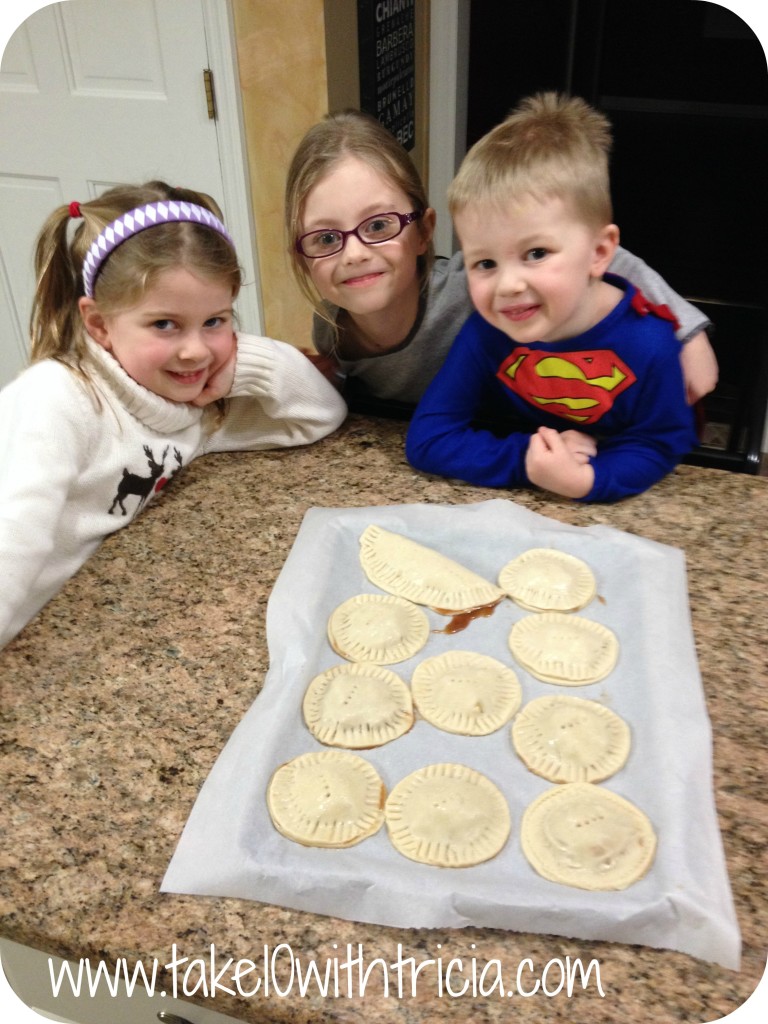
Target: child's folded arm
x,y
437,444
45,449
442,437
660,433
632,464
278,399
690,320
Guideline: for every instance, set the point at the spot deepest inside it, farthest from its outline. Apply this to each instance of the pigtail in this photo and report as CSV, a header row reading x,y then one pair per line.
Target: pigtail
x,y
55,322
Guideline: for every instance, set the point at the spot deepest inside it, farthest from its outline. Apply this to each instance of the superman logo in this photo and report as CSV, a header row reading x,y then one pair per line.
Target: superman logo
x,y
577,386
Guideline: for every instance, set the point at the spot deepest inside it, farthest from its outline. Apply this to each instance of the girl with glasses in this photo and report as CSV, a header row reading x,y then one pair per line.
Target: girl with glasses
x,y
386,309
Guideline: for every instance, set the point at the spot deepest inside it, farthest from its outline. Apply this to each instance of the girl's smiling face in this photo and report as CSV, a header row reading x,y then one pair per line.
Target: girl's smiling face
x,y
366,280
174,339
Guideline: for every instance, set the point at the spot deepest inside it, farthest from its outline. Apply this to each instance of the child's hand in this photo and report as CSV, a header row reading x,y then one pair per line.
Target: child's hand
x,y
582,447
560,465
327,365
222,376
699,364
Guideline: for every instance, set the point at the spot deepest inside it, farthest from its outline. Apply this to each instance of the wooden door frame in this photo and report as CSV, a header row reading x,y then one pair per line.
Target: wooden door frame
x,y
230,132
448,80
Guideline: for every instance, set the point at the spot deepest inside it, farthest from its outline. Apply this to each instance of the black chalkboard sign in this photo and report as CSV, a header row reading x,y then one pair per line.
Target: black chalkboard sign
x,y
386,42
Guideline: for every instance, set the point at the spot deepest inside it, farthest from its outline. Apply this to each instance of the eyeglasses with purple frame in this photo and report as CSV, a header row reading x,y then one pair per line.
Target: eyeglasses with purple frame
x,y
391,224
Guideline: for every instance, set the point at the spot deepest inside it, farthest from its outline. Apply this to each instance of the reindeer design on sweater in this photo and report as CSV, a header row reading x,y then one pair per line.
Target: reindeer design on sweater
x,y
142,486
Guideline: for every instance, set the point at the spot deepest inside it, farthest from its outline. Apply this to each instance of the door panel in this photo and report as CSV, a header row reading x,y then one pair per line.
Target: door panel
x,y
105,57
23,201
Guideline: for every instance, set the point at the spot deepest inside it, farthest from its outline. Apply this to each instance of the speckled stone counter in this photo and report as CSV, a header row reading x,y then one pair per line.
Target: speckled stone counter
x,y
119,696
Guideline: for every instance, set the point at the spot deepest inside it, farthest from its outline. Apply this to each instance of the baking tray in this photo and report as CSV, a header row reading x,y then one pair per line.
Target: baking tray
x,y
229,846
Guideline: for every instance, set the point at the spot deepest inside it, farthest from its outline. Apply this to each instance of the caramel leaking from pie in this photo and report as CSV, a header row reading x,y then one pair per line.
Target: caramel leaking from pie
x,y
329,798
569,739
357,706
405,568
466,693
447,815
377,628
585,836
544,579
569,650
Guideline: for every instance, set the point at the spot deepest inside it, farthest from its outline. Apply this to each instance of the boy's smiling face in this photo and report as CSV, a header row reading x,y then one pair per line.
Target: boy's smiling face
x,y
534,268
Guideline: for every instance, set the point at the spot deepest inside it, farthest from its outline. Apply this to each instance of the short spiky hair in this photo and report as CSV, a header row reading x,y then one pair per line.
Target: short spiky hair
x,y
549,146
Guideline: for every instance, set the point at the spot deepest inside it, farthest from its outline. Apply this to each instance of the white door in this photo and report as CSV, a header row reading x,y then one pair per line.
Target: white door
x,y
94,93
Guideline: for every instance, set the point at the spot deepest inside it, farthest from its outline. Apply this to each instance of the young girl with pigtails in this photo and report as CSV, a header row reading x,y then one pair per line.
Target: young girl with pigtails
x,y
136,369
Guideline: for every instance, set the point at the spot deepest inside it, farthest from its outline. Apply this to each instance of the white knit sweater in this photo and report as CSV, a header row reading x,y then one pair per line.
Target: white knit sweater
x,y
71,473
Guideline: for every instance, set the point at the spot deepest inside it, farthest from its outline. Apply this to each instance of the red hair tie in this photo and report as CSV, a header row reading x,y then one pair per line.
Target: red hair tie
x,y
74,209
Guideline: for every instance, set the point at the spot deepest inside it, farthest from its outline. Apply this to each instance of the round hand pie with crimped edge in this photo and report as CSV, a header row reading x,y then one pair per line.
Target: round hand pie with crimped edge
x,y
405,568
569,739
357,706
466,693
582,835
327,798
565,649
377,628
543,579
447,815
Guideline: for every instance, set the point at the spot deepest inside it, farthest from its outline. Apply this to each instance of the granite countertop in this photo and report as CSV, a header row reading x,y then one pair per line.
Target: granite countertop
x,y
119,696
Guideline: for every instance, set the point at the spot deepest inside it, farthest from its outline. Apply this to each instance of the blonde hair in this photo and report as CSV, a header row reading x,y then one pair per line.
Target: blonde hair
x,y
549,146
341,134
56,328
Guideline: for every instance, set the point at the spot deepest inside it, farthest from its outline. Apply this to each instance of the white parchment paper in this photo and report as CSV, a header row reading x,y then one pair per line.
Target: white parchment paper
x,y
230,848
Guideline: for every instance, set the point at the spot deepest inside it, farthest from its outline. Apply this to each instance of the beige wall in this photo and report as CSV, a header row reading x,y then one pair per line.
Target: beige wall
x,y
281,57
286,82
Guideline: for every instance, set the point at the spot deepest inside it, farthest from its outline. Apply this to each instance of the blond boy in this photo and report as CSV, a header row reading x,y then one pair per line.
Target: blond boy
x,y
566,377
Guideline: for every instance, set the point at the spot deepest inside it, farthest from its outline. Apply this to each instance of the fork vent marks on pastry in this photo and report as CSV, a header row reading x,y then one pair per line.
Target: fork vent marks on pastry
x,y
377,628
357,706
328,798
466,693
544,579
447,815
585,836
405,568
569,739
563,648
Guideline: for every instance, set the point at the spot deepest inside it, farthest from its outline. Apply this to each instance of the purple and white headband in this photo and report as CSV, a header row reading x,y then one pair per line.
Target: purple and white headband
x,y
169,211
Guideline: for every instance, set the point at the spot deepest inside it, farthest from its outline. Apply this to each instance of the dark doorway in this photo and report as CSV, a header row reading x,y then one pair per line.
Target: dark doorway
x,y
685,85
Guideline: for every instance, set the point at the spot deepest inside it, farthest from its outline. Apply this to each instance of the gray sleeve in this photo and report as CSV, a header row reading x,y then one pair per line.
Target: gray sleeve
x,y
656,289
